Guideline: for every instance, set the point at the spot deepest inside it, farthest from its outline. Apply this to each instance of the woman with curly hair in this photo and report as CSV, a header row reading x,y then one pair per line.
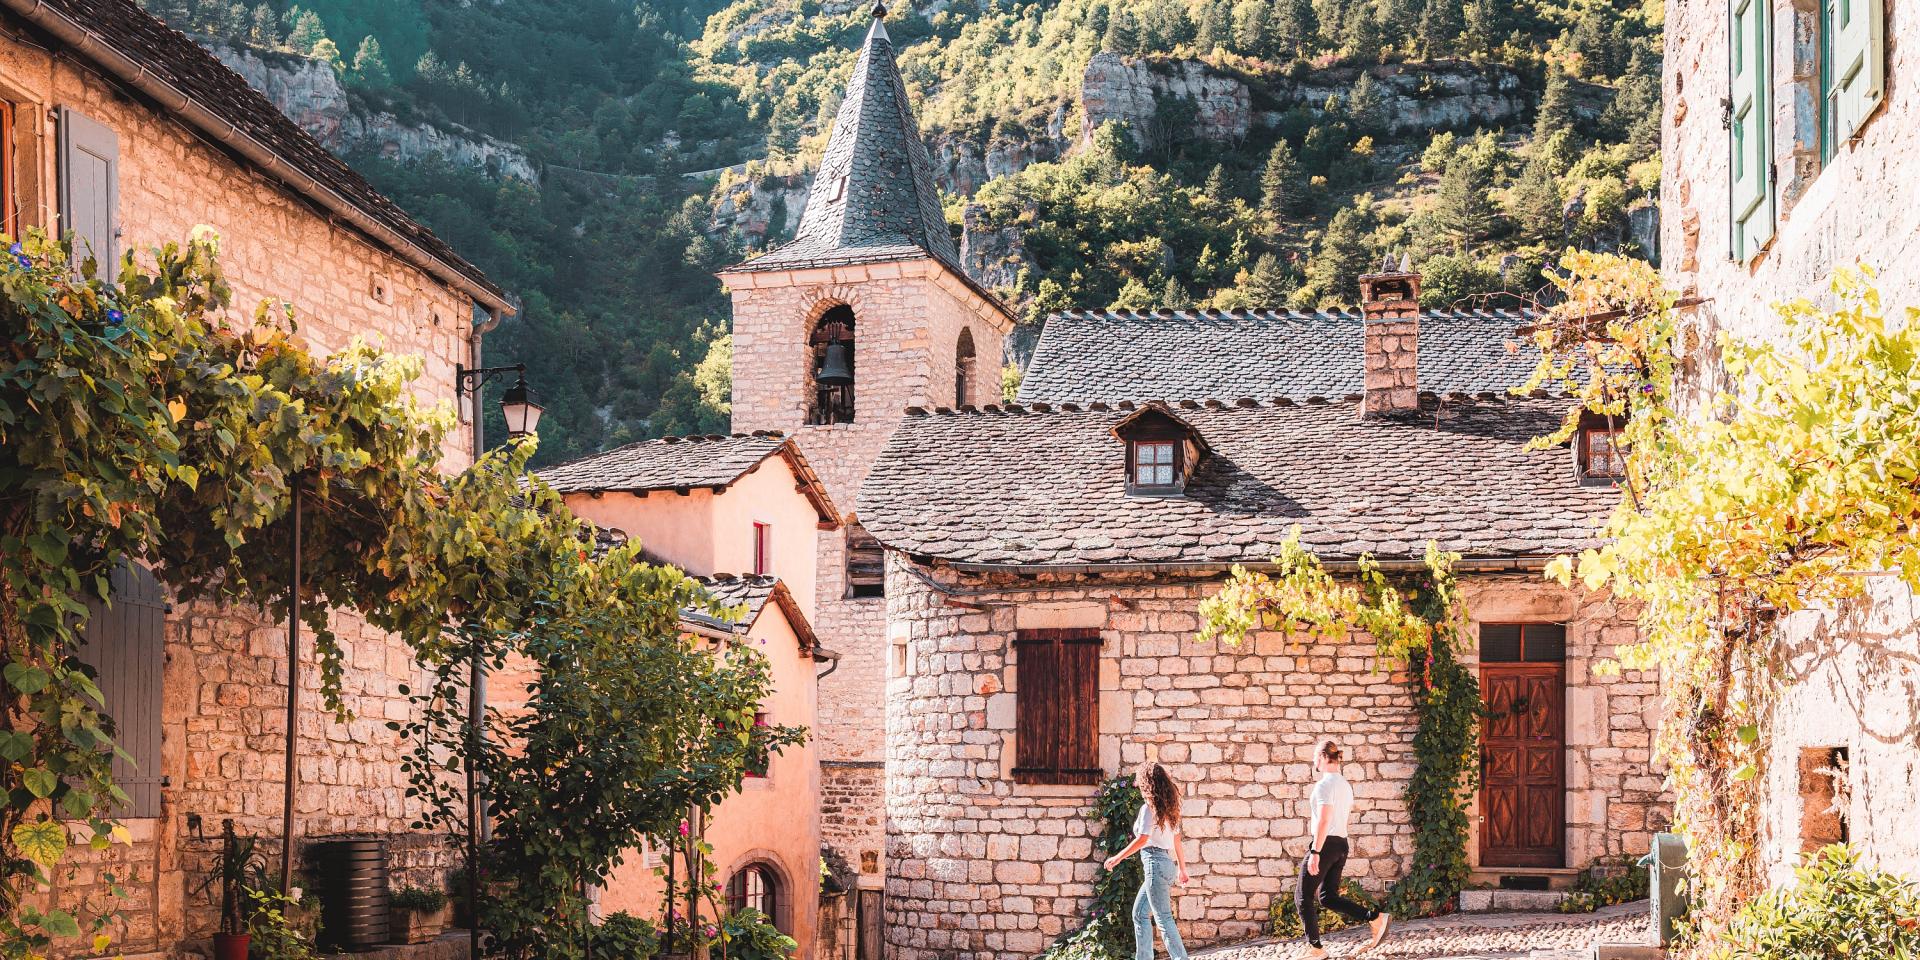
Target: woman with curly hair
x,y
1156,837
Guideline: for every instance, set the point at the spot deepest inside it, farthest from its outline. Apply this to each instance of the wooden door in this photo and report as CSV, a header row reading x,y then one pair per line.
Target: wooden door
x,y
1523,746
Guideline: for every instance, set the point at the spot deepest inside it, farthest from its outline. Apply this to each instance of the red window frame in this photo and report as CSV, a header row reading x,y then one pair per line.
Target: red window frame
x,y
1600,456
762,548
9,206
1164,460
757,766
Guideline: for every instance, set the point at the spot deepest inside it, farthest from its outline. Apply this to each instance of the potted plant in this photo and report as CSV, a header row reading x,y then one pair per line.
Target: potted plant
x,y
236,858
419,915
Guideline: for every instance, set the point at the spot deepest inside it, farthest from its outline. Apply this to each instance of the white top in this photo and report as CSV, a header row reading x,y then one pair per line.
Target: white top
x,y
1157,833
1334,793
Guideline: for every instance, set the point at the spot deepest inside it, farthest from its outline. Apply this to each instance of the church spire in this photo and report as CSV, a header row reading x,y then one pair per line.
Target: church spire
x,y
873,199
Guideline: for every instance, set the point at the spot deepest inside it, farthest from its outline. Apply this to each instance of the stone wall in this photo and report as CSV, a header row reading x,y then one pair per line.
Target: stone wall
x,y
1853,671
222,712
983,867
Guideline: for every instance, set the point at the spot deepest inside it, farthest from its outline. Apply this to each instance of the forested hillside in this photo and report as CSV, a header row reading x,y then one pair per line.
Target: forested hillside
x,y
1095,152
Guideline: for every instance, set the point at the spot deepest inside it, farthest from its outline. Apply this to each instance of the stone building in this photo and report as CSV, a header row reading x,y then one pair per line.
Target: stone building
x,y
1788,128
743,514
1046,562
128,134
865,313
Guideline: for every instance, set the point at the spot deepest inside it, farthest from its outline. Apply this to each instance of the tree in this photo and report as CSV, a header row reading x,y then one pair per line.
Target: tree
x,y
1174,296
1334,269
1123,35
1294,27
307,32
1366,108
1634,114
1219,189
369,67
1556,106
263,29
1133,295
1441,22
1279,190
1464,210
1269,284
1535,201
1361,34
1481,33
1216,26
1252,28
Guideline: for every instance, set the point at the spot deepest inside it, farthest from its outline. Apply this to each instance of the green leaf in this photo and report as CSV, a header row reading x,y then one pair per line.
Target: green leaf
x,y
26,679
60,924
15,745
1746,773
40,782
43,843
1748,733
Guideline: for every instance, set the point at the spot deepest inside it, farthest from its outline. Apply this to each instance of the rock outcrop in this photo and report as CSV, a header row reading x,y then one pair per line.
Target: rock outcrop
x,y
1130,91
994,256
1441,95
309,91
763,210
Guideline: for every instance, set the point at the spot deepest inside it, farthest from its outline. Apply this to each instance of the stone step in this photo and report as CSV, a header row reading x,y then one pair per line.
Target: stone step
x,y
1628,951
451,945
1528,901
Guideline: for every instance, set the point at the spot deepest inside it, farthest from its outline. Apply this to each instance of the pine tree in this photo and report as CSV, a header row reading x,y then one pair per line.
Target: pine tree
x,y
1556,106
1294,27
1133,295
263,30
308,32
1441,22
1366,106
1535,202
1335,268
328,52
1279,191
1218,188
1465,211
1216,26
1270,283
1634,114
1362,35
1174,296
1252,28
1482,30
369,67
1123,36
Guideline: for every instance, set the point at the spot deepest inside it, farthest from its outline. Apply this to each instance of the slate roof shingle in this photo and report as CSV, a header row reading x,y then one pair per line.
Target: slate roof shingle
x,y
751,592
1089,355
673,463
873,198
1045,485
176,60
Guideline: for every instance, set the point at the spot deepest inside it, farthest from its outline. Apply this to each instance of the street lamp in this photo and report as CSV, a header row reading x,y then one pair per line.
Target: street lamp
x,y
518,403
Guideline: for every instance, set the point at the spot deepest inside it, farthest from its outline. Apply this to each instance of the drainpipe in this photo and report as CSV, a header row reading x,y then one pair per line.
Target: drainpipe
x,y
478,829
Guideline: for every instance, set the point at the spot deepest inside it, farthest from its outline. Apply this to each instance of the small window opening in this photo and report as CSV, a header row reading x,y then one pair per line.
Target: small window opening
x,y
866,564
830,365
1825,797
1600,455
1155,463
758,762
757,887
963,361
1523,642
762,548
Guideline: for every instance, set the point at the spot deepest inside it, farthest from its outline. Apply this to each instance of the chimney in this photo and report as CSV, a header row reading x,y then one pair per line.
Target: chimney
x,y
1390,307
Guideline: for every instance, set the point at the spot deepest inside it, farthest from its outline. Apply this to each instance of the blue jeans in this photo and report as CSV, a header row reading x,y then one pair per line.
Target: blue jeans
x,y
1154,904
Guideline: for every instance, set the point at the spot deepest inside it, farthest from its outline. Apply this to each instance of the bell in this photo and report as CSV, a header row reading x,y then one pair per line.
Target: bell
x,y
836,368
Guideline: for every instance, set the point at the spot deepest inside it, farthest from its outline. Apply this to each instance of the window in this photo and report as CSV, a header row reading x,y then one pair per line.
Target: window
x,y
866,564
963,356
89,171
830,358
1523,642
1749,122
762,548
1153,463
758,762
1056,736
9,188
1824,797
1600,457
757,887
1852,68
125,646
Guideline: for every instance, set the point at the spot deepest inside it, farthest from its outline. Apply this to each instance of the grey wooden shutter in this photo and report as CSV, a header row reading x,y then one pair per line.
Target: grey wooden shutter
x,y
90,188
125,645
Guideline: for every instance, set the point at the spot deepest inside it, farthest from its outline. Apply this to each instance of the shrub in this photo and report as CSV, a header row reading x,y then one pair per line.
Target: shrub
x,y
750,935
419,899
1591,891
1836,907
623,936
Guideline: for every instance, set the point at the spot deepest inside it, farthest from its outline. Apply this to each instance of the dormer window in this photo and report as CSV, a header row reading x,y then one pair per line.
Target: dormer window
x,y
1597,452
1154,463
1161,451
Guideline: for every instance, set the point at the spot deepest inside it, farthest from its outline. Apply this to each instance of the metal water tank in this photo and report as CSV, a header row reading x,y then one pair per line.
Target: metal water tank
x,y
351,875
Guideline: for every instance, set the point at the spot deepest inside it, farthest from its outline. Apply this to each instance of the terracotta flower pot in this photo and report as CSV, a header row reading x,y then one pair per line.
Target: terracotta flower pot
x,y
418,926
231,946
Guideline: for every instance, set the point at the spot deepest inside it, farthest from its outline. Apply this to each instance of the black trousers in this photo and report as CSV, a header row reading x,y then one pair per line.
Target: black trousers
x,y
1322,889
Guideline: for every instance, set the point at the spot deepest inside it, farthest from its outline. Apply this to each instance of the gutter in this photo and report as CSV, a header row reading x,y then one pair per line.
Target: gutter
x,y
1464,565
228,134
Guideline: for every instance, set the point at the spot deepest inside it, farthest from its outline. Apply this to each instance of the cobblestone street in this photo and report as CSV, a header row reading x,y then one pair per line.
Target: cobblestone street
x,y
1473,936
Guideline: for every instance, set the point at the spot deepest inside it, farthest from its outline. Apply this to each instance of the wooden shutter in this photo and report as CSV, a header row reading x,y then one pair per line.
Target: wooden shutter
x,y
1857,77
1750,127
1056,736
866,564
124,643
90,188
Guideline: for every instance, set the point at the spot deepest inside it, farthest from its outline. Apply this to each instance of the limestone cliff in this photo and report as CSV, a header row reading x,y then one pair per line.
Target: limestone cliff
x,y
310,92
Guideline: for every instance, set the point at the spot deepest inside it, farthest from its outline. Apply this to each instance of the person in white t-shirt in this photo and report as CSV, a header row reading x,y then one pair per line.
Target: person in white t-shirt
x,y
1331,806
1156,837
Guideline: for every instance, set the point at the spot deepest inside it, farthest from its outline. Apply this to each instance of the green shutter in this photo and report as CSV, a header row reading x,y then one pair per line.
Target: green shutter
x,y
1857,78
1750,126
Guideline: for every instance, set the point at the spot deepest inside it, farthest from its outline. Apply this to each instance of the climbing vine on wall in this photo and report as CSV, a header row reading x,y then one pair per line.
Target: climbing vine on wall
x,y
1416,620
1763,477
1108,932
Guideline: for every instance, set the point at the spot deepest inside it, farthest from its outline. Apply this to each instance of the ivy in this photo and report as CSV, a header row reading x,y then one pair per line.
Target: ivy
x,y
1763,477
1108,932
1416,621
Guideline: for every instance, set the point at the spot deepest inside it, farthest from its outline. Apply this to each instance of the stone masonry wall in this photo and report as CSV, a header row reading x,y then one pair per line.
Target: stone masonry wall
x,y
1852,671
982,867
224,680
